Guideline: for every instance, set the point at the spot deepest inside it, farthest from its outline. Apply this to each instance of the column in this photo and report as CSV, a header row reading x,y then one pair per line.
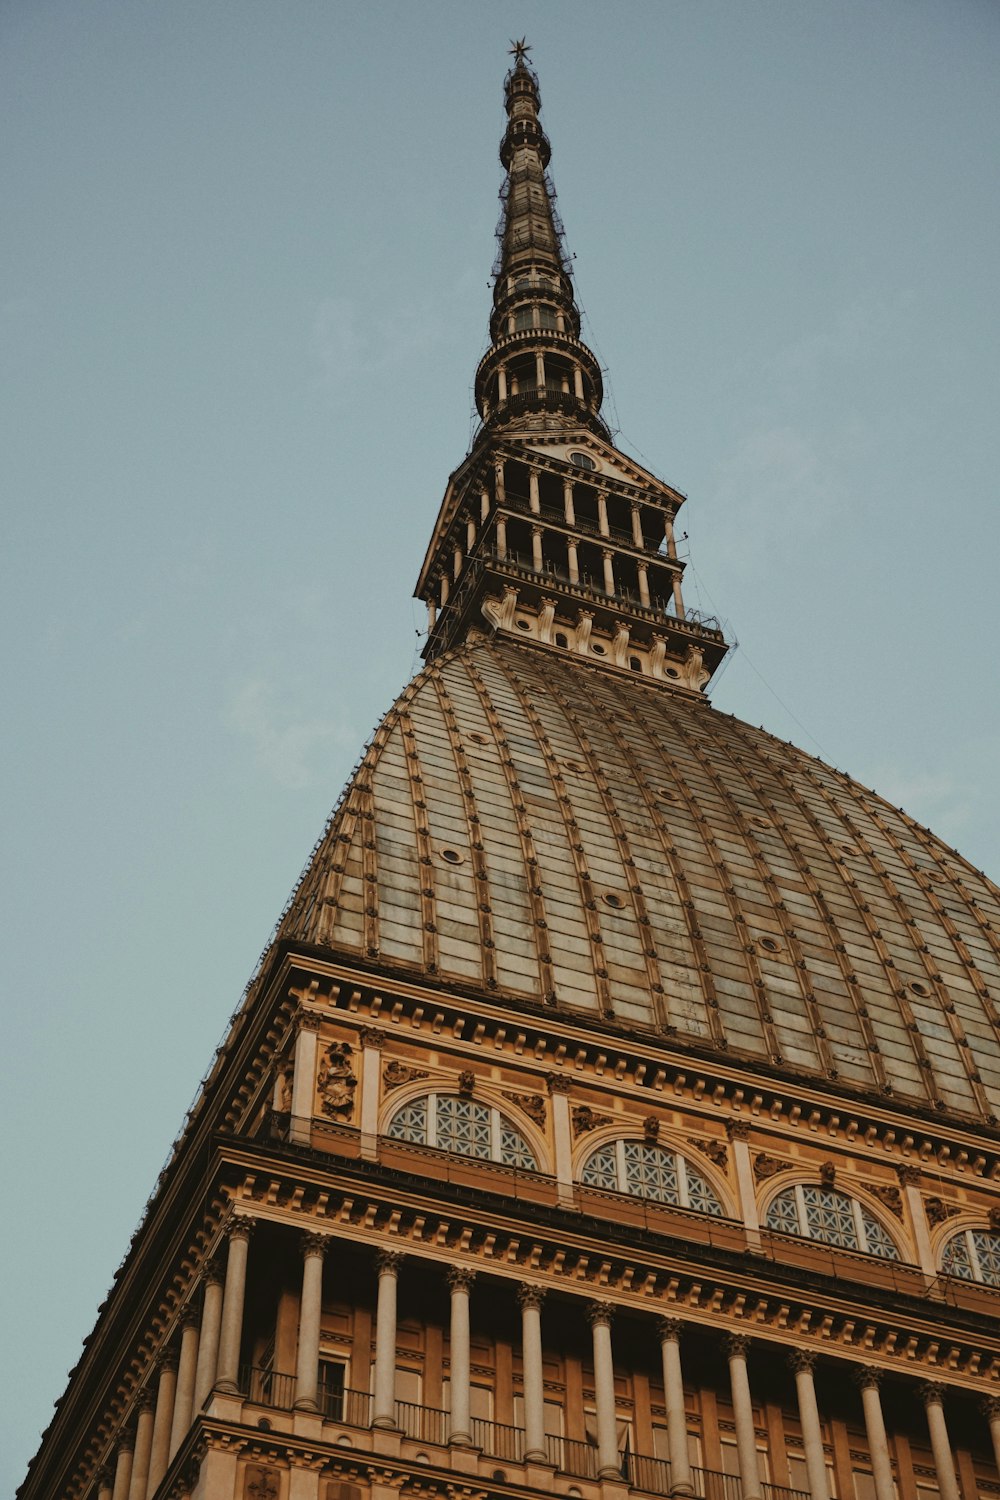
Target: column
x,y
602,515
143,1448
637,527
530,1299
431,613
909,1180
456,565
498,483
578,382
372,1041
933,1398
314,1248
231,1333
211,1323
187,1364
643,571
304,1076
681,1480
536,548
569,510
534,503
609,571
869,1378
470,534
123,1466
540,370
501,537
737,1347
166,1391
388,1263
502,383
990,1408
562,1134
608,1462
668,536
484,503
802,1362
573,560
444,589
675,584
738,1132
460,1427
105,1483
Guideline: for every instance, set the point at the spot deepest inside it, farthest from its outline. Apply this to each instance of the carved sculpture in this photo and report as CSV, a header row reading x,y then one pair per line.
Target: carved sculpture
x,y
337,1082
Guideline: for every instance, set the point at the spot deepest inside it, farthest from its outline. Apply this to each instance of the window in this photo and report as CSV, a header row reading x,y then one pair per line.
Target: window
x,y
332,1384
823,1213
523,318
462,1126
974,1254
649,1171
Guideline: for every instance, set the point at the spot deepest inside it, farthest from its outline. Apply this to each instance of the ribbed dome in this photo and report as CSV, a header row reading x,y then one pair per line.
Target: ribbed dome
x,y
528,824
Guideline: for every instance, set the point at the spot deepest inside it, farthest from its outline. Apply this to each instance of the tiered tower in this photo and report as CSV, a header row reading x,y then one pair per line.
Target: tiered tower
x,y
615,1110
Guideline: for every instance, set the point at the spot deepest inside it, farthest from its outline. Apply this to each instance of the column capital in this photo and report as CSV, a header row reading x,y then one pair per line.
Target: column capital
x,y
908,1173
126,1440
308,1020
738,1130
103,1477
388,1262
315,1244
990,1407
932,1392
737,1345
460,1278
372,1036
146,1399
558,1083
530,1295
213,1272
801,1360
240,1227
600,1312
867,1377
165,1360
670,1329
188,1317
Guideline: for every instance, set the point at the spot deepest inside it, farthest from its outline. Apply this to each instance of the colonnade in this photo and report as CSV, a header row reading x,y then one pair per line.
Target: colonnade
x,y
206,1359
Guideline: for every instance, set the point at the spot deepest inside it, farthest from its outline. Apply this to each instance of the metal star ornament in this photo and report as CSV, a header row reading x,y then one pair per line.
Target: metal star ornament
x,y
519,50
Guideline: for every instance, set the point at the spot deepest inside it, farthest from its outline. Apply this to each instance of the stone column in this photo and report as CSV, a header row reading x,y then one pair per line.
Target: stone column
x,y
536,548
868,1378
738,1132
166,1392
187,1364
573,560
637,526
530,1299
384,1412
675,584
990,1408
932,1395
431,613
578,382
499,488
502,383
534,504
314,1248
501,537
211,1323
608,1462
470,534
609,571
681,1480
602,515
643,572
737,1348
802,1363
104,1481
668,536
143,1448
540,370
569,510
909,1180
562,1134
456,566
123,1466
444,589
460,1426
304,1075
372,1041
227,1373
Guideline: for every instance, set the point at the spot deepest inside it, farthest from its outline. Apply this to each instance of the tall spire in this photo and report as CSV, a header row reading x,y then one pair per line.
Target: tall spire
x,y
537,361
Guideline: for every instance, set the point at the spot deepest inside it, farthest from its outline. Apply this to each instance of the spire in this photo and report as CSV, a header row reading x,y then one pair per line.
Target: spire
x,y
537,361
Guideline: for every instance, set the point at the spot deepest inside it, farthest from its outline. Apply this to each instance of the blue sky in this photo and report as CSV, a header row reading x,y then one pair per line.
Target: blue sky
x,y
246,252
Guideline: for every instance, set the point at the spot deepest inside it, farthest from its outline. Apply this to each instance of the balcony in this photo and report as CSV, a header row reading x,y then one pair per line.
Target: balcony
x,y
428,1426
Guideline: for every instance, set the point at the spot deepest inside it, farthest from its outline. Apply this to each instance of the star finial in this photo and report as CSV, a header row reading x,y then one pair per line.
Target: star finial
x,y
519,50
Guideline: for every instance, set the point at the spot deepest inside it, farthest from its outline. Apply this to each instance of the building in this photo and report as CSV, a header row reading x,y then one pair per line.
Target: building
x,y
615,1109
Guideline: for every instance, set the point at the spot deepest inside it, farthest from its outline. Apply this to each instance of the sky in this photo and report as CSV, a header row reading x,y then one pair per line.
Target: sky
x,y
245,256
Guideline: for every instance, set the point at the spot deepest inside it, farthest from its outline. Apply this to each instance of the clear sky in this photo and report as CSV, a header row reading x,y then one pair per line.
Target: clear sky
x,y
246,250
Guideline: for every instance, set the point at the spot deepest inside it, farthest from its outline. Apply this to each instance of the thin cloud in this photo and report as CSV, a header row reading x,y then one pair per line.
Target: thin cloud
x,y
293,750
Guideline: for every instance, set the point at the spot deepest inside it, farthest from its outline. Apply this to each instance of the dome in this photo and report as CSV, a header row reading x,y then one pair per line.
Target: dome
x,y
532,826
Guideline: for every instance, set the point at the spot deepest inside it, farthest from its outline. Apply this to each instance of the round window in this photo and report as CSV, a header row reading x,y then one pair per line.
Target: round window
x,y
612,898
582,460
451,856
523,624
598,649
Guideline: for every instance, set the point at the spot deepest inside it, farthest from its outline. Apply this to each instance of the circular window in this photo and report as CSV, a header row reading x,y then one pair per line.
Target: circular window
x,y
919,989
598,649
612,898
672,672
582,460
452,856
757,822
847,849
769,944
523,624
574,765
477,739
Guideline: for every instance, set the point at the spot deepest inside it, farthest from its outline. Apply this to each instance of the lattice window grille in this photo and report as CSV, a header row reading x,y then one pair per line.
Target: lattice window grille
x,y
831,1217
648,1171
973,1254
464,1127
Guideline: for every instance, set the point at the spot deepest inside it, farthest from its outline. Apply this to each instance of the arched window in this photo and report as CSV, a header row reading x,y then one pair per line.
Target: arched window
x,y
463,1126
822,1213
973,1254
649,1171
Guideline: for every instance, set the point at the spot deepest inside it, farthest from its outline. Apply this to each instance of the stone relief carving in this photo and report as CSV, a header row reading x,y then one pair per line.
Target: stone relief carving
x,y
585,1118
938,1210
396,1073
337,1082
714,1150
694,668
533,1105
260,1483
891,1197
765,1165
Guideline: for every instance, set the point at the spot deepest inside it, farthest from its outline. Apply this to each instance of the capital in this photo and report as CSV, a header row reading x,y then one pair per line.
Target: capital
x,y
188,1317
801,1361
867,1377
737,1346
166,1360
530,1295
460,1278
738,1130
388,1262
558,1083
908,1174
212,1272
146,1399
126,1440
371,1036
240,1227
314,1244
932,1393
600,1313
308,1020
670,1329
990,1407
